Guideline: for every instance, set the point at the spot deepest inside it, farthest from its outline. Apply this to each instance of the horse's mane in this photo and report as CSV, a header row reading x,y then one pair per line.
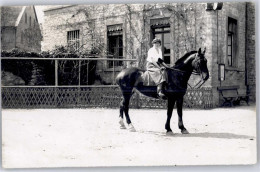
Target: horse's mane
x,y
180,61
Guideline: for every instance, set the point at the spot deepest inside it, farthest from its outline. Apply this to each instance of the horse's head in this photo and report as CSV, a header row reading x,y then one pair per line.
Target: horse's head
x,y
193,62
199,65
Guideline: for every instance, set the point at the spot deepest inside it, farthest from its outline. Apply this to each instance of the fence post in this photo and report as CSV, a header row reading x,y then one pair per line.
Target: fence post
x,y
79,72
113,71
87,71
56,73
79,88
56,84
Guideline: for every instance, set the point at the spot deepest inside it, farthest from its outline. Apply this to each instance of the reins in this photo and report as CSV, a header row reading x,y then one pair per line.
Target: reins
x,y
199,84
193,72
178,70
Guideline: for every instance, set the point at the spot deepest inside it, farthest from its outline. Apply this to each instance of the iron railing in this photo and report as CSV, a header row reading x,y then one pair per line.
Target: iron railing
x,y
91,96
113,60
85,96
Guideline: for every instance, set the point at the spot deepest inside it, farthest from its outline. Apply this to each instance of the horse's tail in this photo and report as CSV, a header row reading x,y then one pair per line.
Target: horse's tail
x,y
128,77
119,77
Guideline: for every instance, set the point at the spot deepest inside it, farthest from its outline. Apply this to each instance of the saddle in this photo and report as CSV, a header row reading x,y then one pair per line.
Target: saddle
x,y
147,79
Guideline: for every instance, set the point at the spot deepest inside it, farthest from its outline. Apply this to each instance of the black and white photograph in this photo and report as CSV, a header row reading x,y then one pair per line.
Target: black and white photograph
x,y
122,84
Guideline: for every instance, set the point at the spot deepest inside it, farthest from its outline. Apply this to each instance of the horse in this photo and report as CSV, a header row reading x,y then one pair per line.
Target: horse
x,y
178,76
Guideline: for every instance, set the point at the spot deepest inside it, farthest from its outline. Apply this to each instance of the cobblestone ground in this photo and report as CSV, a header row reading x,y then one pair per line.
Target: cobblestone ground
x,y
91,137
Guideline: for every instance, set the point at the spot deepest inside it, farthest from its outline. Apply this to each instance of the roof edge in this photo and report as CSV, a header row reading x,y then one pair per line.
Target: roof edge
x,y
20,16
57,8
35,13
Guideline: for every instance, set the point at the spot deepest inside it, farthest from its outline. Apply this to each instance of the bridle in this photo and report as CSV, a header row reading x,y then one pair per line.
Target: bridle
x,y
196,62
196,71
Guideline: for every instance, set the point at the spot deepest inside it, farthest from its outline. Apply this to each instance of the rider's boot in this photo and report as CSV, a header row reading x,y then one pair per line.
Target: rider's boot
x,y
160,91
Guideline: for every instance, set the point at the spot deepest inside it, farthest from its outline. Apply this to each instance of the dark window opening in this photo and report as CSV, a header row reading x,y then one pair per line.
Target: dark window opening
x,y
161,29
22,37
232,42
115,45
73,40
25,17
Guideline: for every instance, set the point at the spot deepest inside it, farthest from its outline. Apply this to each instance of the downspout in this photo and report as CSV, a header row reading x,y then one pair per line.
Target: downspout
x,y
246,57
219,58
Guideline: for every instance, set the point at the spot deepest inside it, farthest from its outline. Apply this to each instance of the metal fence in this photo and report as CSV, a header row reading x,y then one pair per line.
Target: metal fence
x,y
85,96
112,61
91,96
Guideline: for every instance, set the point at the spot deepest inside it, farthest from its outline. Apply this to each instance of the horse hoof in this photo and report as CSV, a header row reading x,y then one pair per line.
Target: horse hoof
x,y
185,132
122,125
169,133
131,128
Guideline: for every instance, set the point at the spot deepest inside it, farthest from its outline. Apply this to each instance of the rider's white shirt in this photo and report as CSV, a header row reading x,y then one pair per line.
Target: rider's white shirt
x,y
154,55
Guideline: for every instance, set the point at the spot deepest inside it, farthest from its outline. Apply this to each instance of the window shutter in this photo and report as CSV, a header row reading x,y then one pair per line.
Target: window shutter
x,y
160,22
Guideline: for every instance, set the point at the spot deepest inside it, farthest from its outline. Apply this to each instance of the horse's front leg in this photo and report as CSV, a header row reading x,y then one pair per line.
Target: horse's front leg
x,y
171,103
179,111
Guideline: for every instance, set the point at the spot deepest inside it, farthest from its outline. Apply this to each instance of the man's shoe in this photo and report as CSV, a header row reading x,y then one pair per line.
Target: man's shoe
x,y
161,95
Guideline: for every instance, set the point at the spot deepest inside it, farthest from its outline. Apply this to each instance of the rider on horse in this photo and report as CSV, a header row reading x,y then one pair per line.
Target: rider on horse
x,y
156,67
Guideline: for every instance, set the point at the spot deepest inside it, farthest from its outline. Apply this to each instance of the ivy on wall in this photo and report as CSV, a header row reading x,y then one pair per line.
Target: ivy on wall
x,y
184,15
136,47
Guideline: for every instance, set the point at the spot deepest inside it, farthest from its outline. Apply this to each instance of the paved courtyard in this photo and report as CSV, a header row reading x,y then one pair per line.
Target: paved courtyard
x,y
91,137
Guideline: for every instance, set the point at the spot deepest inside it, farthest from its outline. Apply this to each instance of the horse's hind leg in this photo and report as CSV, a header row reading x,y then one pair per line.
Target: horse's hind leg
x,y
124,108
121,116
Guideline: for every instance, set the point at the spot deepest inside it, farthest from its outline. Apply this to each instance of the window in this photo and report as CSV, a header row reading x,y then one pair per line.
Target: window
x,y
232,42
22,37
73,40
115,45
161,29
30,21
25,18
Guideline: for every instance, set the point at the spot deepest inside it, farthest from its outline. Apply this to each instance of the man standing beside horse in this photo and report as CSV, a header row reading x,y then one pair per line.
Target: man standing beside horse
x,y
156,67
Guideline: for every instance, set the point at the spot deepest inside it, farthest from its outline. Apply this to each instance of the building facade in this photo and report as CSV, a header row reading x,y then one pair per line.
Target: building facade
x,y
125,31
20,29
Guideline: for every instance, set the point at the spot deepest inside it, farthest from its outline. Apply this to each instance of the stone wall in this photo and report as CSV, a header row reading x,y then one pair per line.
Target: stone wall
x,y
7,38
189,29
193,30
235,75
192,27
250,51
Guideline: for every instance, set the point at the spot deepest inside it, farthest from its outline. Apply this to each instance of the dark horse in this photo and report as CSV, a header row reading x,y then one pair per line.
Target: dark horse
x,y
176,87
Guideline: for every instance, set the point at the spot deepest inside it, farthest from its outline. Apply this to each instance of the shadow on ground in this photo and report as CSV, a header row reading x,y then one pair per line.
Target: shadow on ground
x,y
201,135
